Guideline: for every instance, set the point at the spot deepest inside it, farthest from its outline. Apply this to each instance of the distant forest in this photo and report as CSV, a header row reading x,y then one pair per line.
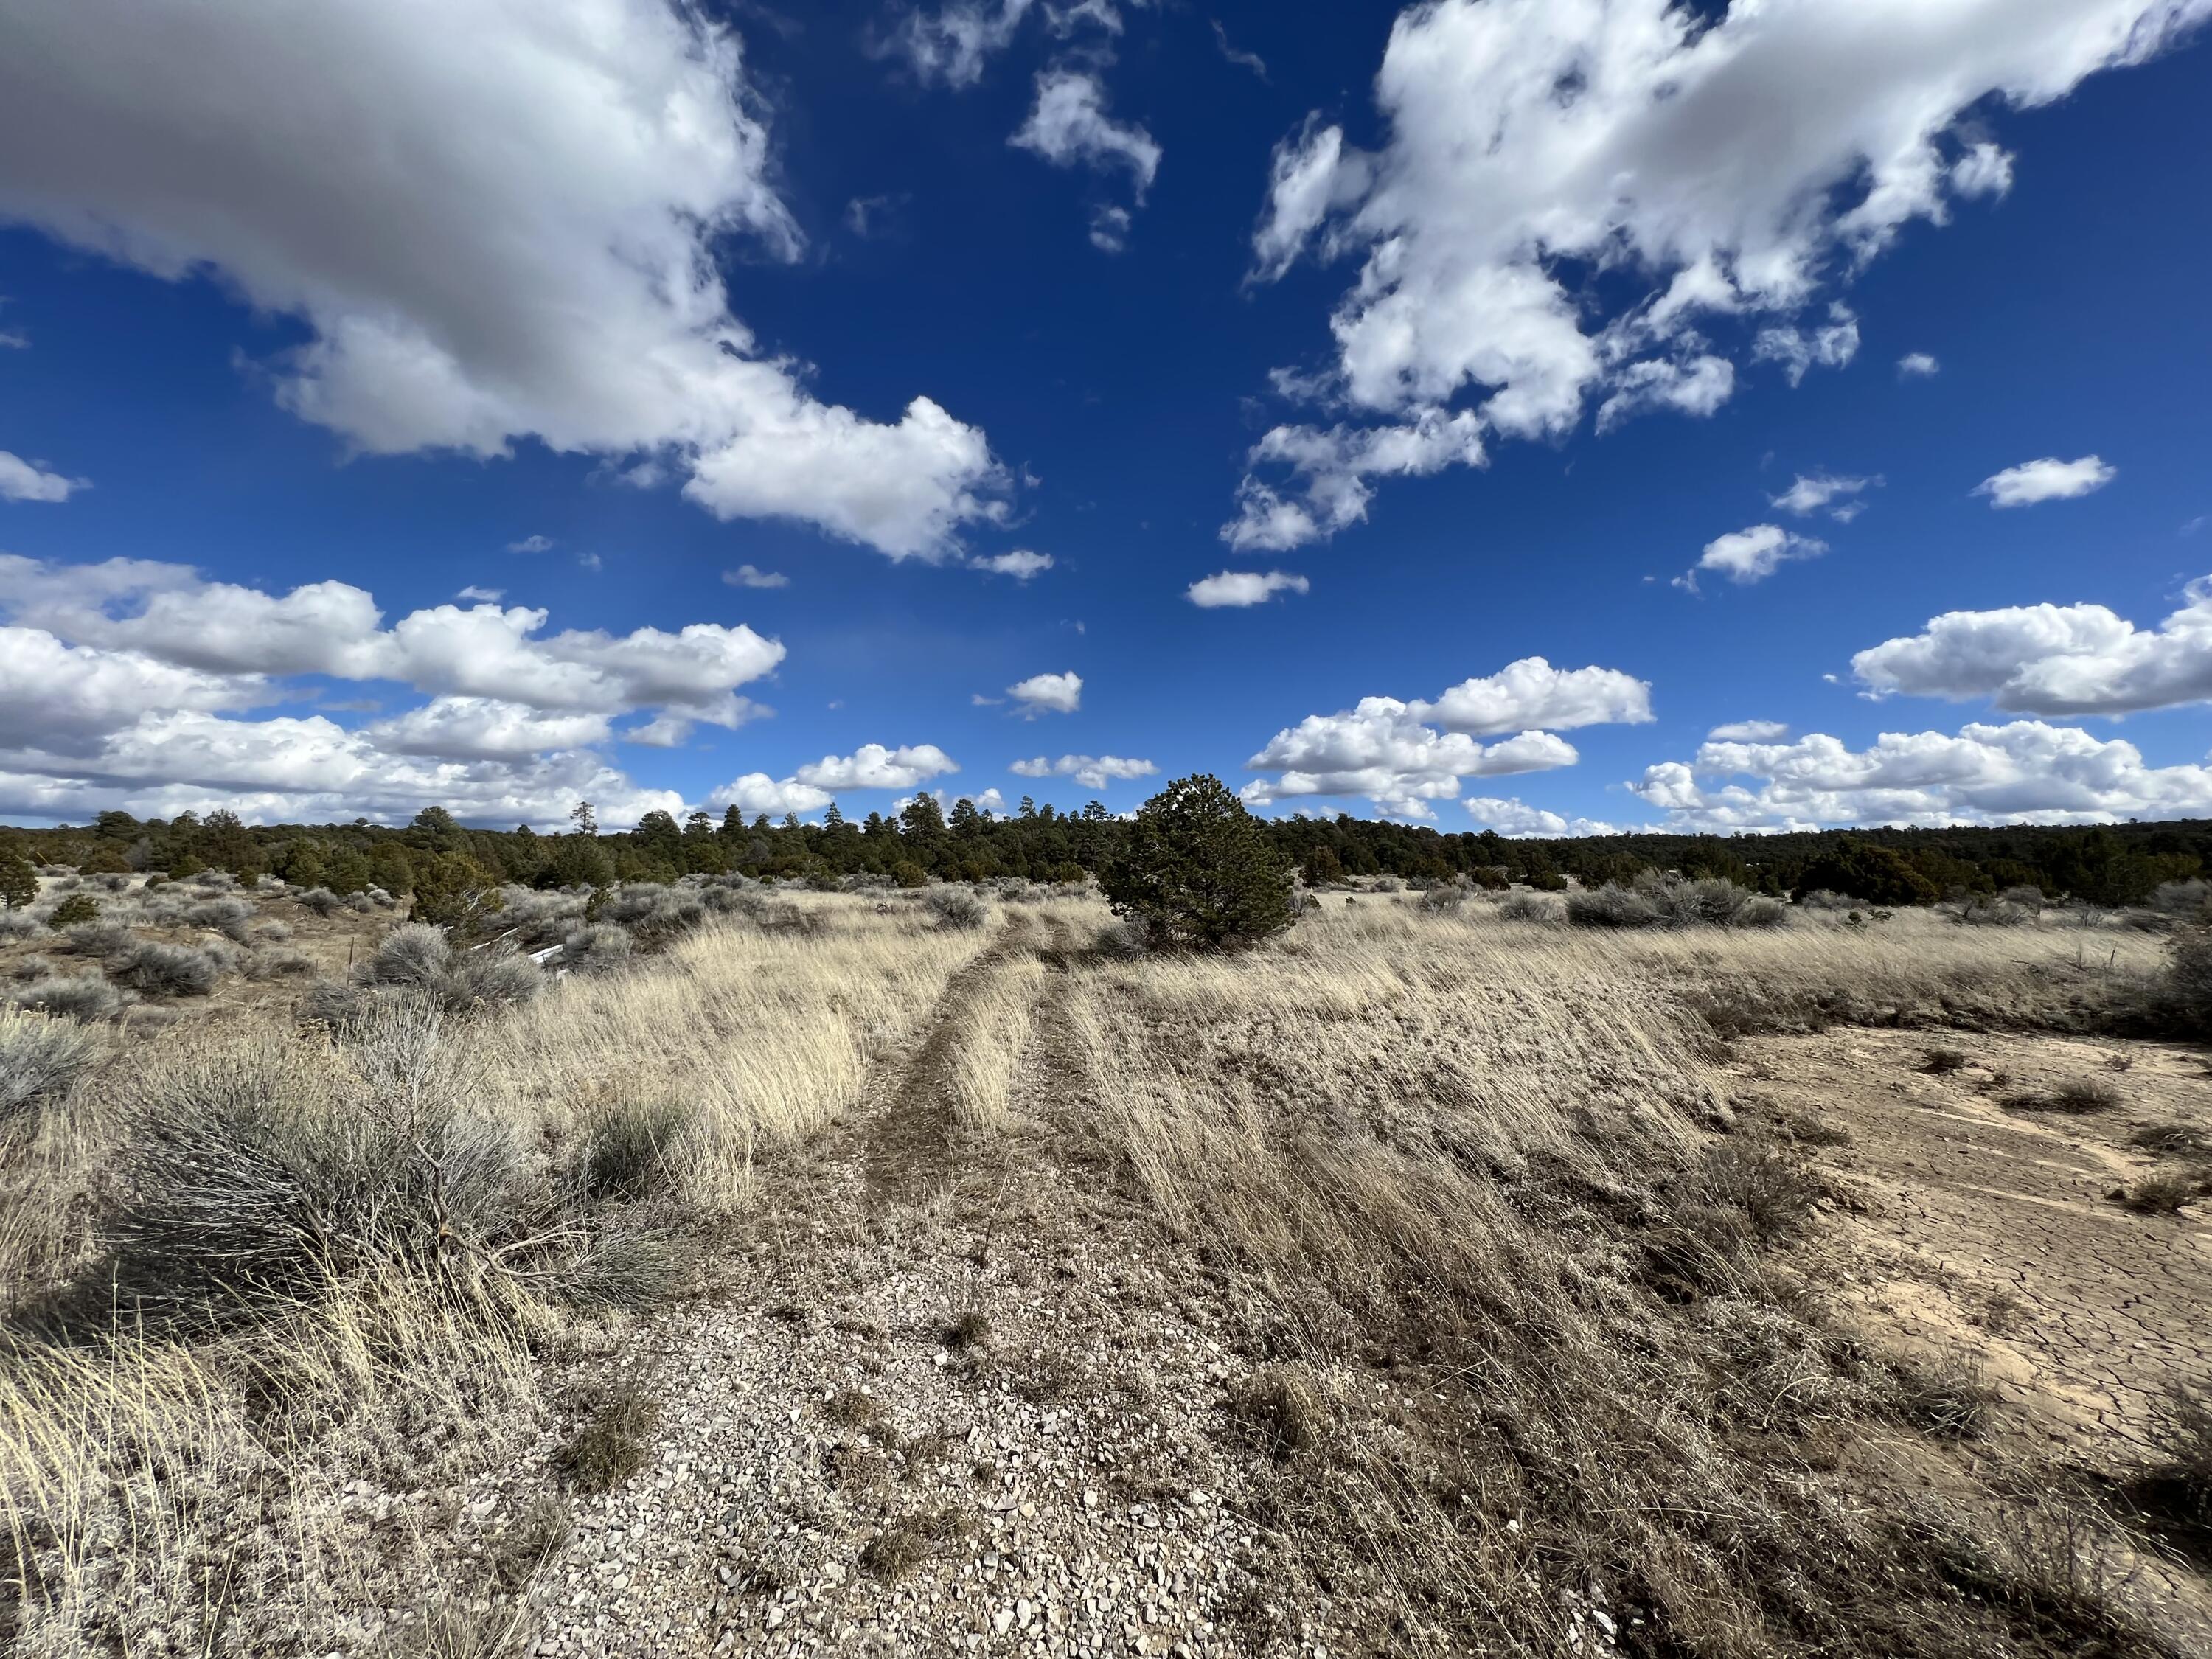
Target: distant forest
x,y
2108,864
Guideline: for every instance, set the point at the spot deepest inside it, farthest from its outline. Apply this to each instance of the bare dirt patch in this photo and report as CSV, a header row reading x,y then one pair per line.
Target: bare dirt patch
x,y
1991,1226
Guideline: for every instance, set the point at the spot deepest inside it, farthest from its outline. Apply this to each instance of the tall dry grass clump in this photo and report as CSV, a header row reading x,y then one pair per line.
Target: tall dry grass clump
x,y
253,1268
305,1265
762,1034
1535,1379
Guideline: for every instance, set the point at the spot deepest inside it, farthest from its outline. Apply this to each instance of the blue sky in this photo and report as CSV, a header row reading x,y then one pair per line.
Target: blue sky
x,y
1482,324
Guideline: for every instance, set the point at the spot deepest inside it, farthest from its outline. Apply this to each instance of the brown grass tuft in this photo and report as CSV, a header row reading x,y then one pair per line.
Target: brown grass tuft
x,y
914,1538
610,1445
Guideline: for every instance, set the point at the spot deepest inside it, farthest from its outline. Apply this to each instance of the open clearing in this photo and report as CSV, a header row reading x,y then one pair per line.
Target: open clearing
x,y
1413,1284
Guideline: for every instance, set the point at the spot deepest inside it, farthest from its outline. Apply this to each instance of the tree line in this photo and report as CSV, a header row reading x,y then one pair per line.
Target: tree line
x,y
2108,864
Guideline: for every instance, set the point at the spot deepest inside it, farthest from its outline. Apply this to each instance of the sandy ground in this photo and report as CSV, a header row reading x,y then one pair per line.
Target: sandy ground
x,y
1975,1235
1996,1232
932,1343
1065,1472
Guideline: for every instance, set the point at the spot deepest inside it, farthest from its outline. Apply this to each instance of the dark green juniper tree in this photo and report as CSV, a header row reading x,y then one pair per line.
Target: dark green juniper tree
x,y
1200,869
19,882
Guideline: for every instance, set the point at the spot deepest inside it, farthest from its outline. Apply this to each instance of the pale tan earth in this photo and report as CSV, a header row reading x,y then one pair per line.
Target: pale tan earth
x,y
1009,1234
1086,1430
1996,1238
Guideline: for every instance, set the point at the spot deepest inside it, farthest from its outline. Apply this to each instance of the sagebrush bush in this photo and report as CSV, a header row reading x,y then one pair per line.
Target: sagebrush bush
x,y
24,969
17,925
653,912
601,948
537,919
277,965
2183,993
2178,1487
629,1260
106,937
1662,900
2075,1098
2166,1193
217,911
1524,905
2174,1138
166,971
418,961
321,901
1445,898
250,1175
955,907
41,1057
413,953
489,978
2184,899
162,910
86,997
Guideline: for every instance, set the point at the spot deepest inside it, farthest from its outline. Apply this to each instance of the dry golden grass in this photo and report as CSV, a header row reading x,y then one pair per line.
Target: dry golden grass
x,y
1459,1181
766,1036
1524,1351
187,1479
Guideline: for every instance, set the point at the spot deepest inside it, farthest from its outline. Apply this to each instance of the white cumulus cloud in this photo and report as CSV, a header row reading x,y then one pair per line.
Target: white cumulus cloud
x,y
512,240
2027,772
121,684
170,613
304,769
1750,732
1917,365
1813,492
1091,771
814,786
756,793
1531,692
1730,172
2053,658
1516,819
872,766
1044,694
1381,750
746,576
2047,480
1752,555
1243,588
1068,126
484,728
1402,755
1021,563
26,481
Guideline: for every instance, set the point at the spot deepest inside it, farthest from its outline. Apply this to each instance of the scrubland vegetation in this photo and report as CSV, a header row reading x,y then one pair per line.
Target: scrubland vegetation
x,y
1507,1315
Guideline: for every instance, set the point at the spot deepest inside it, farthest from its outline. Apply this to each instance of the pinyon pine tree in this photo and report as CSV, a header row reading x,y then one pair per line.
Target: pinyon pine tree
x,y
1199,870
19,882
